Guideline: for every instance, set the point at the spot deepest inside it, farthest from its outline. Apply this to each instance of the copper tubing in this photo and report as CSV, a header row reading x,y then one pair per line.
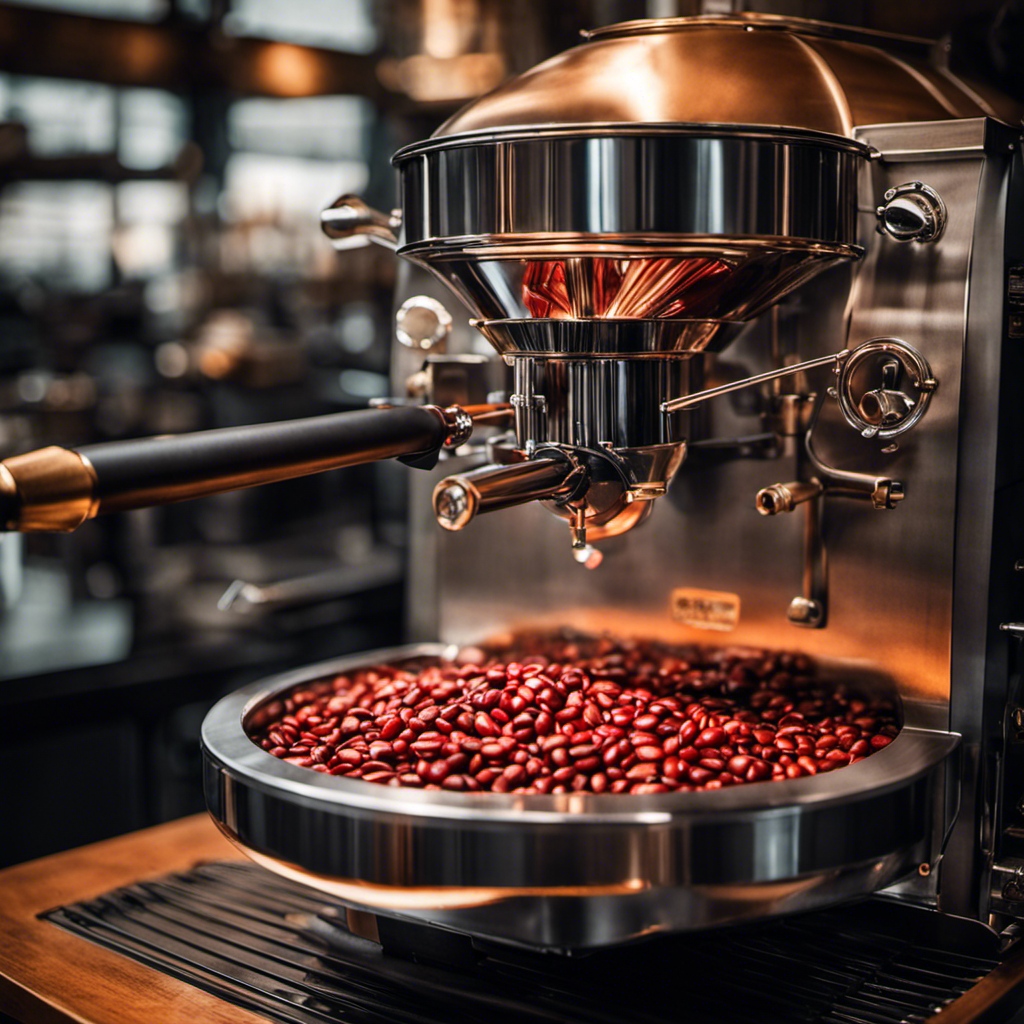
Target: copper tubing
x,y
55,489
457,499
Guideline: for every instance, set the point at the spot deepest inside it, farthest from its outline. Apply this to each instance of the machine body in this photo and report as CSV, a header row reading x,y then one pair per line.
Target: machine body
x,y
761,345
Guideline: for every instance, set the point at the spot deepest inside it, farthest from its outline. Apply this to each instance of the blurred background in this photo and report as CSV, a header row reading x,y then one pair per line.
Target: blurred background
x,y
162,168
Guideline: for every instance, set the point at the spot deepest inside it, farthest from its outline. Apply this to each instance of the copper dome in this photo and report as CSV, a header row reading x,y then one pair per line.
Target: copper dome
x,y
750,69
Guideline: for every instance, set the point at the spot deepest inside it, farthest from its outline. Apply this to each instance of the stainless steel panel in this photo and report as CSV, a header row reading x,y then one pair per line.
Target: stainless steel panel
x,y
890,572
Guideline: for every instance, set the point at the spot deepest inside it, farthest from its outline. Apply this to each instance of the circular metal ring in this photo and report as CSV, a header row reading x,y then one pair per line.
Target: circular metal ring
x,y
576,870
912,362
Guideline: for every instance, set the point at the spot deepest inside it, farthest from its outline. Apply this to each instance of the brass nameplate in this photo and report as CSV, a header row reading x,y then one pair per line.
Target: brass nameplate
x,y
705,609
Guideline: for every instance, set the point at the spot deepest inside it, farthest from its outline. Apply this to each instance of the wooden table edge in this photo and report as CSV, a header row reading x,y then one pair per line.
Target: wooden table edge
x,y
49,976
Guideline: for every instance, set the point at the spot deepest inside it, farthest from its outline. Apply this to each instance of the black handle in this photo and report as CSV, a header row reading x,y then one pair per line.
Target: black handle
x,y
56,489
159,470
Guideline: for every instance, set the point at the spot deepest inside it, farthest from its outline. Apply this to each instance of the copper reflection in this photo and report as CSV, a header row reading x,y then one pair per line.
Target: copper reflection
x,y
603,288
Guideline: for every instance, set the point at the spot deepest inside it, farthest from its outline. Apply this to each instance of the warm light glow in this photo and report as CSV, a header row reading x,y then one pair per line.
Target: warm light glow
x,y
446,24
287,70
433,80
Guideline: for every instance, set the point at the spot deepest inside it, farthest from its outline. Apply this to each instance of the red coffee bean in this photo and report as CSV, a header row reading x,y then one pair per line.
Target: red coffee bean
x,y
688,733
485,725
437,772
709,738
604,717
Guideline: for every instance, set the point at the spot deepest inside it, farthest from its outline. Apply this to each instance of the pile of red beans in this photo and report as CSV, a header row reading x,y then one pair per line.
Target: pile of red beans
x,y
575,714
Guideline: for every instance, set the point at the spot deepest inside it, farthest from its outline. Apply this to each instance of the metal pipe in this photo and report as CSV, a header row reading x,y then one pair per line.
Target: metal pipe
x,y
56,489
457,499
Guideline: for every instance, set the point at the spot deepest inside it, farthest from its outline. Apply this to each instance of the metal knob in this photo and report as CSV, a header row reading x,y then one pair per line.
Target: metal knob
x,y
422,323
885,408
349,222
776,498
912,212
805,611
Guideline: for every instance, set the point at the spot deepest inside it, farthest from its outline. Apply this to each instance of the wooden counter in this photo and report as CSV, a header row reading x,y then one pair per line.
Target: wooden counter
x,y
49,976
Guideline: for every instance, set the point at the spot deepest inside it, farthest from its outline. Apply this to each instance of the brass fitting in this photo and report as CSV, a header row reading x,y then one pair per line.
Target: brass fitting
x,y
52,489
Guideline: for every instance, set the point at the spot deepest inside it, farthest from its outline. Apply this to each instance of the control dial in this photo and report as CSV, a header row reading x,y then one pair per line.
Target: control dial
x,y
912,212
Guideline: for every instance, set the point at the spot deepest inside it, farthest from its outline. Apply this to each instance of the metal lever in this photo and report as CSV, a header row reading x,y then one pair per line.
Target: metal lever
x,y
349,223
57,489
688,401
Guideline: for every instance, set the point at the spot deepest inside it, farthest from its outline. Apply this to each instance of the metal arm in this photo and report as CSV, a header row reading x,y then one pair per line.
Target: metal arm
x,y
57,489
688,401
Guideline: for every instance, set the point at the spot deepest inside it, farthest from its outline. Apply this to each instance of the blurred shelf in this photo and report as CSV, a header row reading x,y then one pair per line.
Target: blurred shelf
x,y
177,56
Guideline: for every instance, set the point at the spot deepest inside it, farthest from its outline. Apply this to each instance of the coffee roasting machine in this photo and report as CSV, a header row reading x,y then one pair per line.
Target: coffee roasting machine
x,y
758,284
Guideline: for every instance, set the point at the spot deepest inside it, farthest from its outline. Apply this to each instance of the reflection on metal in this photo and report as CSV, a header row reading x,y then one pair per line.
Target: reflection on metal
x,y
49,489
912,212
869,388
422,323
457,499
713,69
639,221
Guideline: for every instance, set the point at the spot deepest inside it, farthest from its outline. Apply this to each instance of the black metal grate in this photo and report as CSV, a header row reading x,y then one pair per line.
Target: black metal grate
x,y
281,949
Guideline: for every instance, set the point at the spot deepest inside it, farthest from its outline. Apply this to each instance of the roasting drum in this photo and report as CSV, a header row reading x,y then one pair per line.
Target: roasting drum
x,y
578,870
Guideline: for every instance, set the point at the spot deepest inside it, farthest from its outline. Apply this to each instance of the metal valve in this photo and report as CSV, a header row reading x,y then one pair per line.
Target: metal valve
x,y
884,388
422,323
912,212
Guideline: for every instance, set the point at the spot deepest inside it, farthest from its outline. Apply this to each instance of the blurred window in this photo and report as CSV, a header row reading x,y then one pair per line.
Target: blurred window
x,y
62,117
271,206
59,231
148,215
152,127
142,10
263,187
325,127
341,24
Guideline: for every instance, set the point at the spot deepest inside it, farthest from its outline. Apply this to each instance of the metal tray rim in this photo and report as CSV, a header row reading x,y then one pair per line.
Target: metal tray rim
x,y
911,755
